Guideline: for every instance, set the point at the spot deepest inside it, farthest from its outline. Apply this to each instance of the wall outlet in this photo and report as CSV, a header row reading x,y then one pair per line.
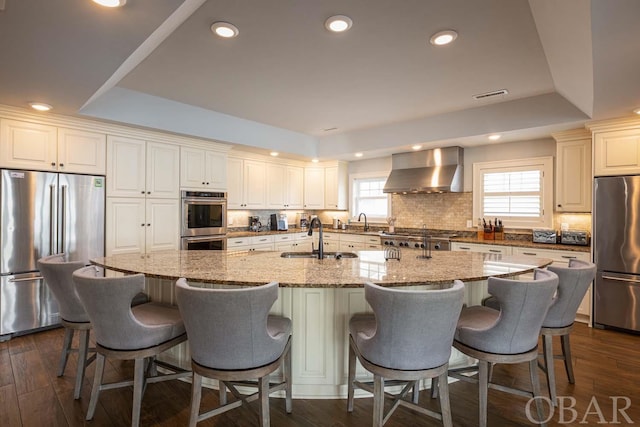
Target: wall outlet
x,y
564,226
469,223
229,221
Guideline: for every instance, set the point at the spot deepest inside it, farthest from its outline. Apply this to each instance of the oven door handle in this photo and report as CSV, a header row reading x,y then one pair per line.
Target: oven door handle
x,y
205,238
204,201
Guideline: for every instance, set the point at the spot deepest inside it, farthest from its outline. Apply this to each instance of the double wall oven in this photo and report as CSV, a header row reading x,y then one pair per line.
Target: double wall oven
x,y
203,220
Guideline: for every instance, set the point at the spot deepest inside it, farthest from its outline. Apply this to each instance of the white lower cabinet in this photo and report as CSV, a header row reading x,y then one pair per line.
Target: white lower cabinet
x,y
331,242
138,225
480,247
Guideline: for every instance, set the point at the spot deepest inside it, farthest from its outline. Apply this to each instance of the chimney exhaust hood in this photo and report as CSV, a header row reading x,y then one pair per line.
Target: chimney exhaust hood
x,y
430,171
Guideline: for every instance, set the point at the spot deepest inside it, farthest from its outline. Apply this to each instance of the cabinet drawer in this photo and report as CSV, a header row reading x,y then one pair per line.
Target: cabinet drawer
x,y
284,237
558,256
238,241
354,238
331,236
261,240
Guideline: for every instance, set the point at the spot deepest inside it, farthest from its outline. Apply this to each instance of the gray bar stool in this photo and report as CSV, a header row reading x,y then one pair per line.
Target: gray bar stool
x,y
234,340
509,335
57,273
572,287
123,332
407,339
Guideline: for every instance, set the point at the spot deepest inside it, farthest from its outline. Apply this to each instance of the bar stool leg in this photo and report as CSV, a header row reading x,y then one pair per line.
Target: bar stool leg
x,y
97,382
196,394
351,378
66,346
547,350
483,387
378,400
445,404
263,384
535,386
83,349
568,362
138,385
287,378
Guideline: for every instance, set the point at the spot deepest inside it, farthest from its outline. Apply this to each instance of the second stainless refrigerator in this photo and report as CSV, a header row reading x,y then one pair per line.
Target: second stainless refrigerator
x,y
43,213
616,243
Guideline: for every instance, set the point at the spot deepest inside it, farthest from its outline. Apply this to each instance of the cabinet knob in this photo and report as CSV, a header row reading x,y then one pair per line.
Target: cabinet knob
x,y
148,192
207,183
559,206
53,163
142,192
142,225
202,182
148,225
61,165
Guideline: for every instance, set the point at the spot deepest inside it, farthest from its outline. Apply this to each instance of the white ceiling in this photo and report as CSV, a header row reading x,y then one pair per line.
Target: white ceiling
x,y
285,79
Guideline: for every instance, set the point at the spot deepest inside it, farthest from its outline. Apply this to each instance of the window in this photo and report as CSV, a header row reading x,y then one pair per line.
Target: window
x,y
519,192
367,196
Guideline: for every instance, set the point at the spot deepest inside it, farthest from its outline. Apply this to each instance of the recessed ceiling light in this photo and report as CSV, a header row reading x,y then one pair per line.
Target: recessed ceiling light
x,y
224,29
40,106
358,154
637,111
338,23
111,3
274,153
442,38
315,160
494,137
416,147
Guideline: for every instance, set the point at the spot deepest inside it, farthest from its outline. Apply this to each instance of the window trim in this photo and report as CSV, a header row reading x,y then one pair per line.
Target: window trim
x,y
544,164
367,175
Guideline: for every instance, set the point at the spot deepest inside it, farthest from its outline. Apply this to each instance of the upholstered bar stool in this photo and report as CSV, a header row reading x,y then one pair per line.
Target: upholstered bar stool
x,y
123,332
407,338
57,273
573,284
233,339
509,335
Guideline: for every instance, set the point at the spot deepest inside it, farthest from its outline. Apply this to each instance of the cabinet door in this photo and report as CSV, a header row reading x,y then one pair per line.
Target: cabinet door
x,y
192,168
82,152
235,182
125,225
216,170
573,176
255,174
163,225
163,170
294,187
125,167
276,192
26,145
617,152
314,188
331,188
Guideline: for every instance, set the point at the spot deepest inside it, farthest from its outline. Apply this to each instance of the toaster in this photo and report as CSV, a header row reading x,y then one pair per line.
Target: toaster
x,y
545,236
575,237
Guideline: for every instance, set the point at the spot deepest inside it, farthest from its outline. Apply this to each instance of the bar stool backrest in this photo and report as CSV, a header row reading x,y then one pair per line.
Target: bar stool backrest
x,y
523,306
108,304
573,285
58,275
227,328
414,329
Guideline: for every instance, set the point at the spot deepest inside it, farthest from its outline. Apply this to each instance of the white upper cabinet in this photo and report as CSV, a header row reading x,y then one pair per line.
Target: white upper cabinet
x,y
203,169
246,184
284,186
335,187
617,152
27,145
314,188
573,171
136,168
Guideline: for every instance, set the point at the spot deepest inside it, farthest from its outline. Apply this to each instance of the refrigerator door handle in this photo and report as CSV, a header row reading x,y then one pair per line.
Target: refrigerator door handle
x,y
63,220
619,279
26,279
52,208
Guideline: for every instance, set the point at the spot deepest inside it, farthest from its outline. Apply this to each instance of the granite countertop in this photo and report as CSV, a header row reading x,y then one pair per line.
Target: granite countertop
x,y
257,268
507,242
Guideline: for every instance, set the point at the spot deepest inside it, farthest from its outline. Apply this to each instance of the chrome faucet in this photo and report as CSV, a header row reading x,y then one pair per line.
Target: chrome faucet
x,y
366,226
320,242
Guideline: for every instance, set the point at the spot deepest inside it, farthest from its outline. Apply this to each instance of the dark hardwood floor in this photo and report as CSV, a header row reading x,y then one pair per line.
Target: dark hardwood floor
x,y
607,364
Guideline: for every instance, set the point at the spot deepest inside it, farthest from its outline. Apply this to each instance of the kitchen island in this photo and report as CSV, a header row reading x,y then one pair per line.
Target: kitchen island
x,y
319,296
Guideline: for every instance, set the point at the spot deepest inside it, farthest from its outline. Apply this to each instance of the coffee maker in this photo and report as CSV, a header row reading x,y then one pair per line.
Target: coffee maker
x,y
304,220
254,223
279,222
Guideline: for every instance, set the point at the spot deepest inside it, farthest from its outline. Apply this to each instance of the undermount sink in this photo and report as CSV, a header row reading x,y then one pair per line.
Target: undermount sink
x,y
335,255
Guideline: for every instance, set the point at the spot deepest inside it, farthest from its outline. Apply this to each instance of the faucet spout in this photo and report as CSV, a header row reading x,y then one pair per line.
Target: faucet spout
x,y
320,242
366,225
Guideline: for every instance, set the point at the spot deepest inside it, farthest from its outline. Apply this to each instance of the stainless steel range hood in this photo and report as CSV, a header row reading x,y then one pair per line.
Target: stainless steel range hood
x,y
430,171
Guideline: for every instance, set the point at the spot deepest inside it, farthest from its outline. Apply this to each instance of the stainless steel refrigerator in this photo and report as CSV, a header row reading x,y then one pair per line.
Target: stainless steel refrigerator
x,y
616,243
43,213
